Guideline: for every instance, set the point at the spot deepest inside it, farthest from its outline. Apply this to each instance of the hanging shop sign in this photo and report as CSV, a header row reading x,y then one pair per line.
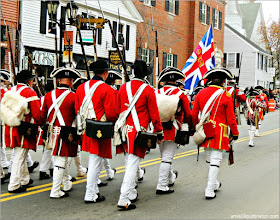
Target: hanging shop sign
x,y
68,47
43,58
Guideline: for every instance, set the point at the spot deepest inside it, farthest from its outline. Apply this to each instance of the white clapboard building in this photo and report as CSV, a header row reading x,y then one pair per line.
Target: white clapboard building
x,y
37,35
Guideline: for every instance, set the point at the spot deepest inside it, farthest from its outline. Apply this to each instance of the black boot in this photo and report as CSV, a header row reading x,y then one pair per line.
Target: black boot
x,y
44,176
51,172
35,164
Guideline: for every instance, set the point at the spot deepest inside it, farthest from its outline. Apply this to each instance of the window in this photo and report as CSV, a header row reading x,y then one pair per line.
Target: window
x,y
258,61
119,30
169,60
147,2
172,6
261,62
204,13
215,18
265,64
231,60
145,54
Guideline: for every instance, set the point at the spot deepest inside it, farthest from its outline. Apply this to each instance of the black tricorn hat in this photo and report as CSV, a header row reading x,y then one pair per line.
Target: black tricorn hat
x,y
218,73
99,65
63,72
252,92
113,75
5,75
141,69
259,87
180,82
171,74
78,82
24,76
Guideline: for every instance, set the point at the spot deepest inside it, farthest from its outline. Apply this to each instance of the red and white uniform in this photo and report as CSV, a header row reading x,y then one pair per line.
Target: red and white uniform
x,y
263,99
65,117
146,111
184,112
12,137
103,101
168,146
238,96
224,117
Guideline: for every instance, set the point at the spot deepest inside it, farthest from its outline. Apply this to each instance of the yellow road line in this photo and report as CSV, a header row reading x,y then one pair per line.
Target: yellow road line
x,y
119,170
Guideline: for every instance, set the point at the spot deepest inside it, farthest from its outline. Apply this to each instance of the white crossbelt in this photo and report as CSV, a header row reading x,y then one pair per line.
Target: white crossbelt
x,y
210,100
133,110
55,106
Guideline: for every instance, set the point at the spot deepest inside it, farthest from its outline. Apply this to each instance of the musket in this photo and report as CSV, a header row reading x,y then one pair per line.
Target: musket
x,y
114,39
156,46
122,39
10,45
230,157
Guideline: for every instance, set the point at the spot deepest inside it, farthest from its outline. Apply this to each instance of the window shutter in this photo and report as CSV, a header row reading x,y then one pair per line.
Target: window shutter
x,y
225,60
114,45
127,37
166,5
164,57
174,60
258,61
153,3
237,60
62,19
99,35
208,15
141,0
139,52
151,58
213,17
200,11
220,20
43,17
176,7
84,25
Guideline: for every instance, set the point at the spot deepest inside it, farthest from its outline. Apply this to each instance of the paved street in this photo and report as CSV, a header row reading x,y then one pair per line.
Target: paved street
x,y
249,187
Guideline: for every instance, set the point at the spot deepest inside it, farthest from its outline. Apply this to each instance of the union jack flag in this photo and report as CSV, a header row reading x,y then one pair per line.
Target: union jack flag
x,y
201,60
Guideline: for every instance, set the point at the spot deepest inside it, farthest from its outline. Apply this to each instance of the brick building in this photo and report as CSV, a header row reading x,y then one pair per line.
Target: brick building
x,y
180,26
10,11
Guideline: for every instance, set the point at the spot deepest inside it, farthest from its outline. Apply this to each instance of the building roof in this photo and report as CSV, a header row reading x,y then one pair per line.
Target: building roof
x,y
250,13
246,39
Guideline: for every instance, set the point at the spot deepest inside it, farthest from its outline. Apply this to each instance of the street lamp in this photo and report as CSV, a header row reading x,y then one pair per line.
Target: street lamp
x,y
52,7
71,10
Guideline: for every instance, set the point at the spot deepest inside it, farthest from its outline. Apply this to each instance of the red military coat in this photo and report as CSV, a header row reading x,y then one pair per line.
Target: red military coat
x,y
183,113
239,97
224,117
67,110
254,106
103,101
263,99
147,111
12,137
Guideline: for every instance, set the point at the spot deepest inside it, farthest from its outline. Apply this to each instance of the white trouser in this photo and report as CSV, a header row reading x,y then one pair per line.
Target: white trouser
x,y
81,171
2,174
29,160
167,151
19,173
252,130
4,162
46,161
107,166
128,191
214,156
60,176
257,132
94,168
140,172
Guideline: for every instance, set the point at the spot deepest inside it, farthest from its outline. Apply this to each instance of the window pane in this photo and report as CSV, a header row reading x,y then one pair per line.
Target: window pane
x,y
172,6
231,60
204,13
216,23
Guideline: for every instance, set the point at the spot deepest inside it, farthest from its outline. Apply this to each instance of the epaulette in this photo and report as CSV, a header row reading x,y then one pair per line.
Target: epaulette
x,y
228,94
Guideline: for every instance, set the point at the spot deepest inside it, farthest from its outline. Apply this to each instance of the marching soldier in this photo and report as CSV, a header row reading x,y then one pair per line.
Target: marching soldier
x,y
221,116
5,75
59,109
253,114
167,148
263,98
103,102
144,111
20,179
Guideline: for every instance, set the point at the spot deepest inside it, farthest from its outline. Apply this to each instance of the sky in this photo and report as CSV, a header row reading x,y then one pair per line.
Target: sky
x,y
270,9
